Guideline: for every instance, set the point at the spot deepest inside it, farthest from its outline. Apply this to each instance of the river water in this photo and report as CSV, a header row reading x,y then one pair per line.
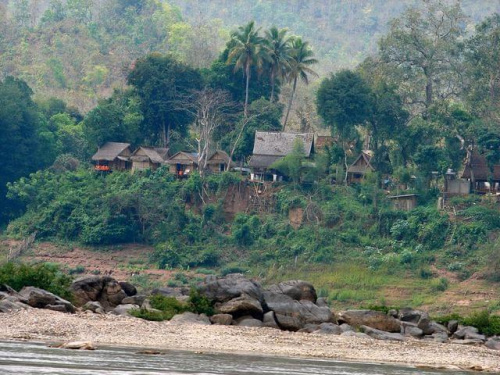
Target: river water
x,y
28,358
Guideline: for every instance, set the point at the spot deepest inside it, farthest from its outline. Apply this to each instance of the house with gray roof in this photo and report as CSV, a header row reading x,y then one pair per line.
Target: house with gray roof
x,y
270,147
112,156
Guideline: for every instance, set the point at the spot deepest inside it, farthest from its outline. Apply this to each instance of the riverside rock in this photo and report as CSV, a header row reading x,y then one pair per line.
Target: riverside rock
x,y
93,306
124,310
240,306
230,287
293,315
373,319
104,289
222,319
410,315
248,321
269,320
190,318
137,299
493,343
40,298
328,329
128,288
381,335
296,289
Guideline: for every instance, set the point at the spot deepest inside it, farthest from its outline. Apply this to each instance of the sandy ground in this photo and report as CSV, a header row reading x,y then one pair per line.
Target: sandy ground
x,y
49,326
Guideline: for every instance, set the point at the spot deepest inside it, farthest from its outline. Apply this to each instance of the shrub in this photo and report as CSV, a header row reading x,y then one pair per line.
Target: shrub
x,y
439,285
200,304
45,276
77,270
485,322
233,269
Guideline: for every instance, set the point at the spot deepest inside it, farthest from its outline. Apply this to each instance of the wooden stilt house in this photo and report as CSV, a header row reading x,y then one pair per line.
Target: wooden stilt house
x,y
112,156
148,158
182,164
361,166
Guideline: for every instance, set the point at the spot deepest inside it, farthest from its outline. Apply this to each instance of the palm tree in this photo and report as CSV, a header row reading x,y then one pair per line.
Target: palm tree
x,y
302,59
278,49
246,51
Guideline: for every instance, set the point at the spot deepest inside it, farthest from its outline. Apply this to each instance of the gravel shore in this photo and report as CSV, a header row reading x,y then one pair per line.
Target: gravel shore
x,y
49,326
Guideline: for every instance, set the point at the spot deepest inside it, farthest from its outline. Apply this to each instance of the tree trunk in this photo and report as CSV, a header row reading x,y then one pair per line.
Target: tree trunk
x,y
272,87
164,134
428,92
290,103
245,111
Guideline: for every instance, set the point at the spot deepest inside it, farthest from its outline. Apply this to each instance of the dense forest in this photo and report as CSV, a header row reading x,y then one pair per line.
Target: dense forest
x,y
417,83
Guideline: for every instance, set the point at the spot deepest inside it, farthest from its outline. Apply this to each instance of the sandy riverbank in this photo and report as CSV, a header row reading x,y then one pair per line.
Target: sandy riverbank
x,y
49,326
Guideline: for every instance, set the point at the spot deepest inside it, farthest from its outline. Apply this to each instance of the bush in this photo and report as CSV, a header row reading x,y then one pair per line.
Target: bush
x,y
77,270
200,304
45,276
486,323
439,285
233,269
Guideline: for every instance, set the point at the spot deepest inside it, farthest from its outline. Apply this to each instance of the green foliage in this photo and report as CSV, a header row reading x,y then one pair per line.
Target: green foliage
x,y
439,285
200,304
44,275
167,306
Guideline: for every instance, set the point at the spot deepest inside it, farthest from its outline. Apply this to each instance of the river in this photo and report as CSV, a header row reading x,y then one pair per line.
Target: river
x,y
29,358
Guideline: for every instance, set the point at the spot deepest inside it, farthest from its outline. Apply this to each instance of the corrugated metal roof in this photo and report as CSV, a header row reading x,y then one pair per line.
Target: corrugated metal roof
x,y
281,144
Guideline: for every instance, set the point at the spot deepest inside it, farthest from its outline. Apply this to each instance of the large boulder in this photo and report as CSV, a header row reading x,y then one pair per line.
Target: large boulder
x,y
221,319
128,288
493,343
103,289
269,320
11,304
370,318
93,306
248,321
229,287
381,335
410,315
463,331
240,306
430,327
40,298
296,289
293,315
328,329
411,329
190,318
124,310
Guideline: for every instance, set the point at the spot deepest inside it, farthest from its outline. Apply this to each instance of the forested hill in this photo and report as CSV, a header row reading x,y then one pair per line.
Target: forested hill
x,y
343,32
80,50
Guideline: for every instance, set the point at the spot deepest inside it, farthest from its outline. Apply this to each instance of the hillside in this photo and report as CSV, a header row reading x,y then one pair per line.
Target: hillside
x,y
82,51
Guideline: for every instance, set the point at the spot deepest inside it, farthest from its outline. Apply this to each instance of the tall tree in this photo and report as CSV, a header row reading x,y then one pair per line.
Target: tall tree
x,y
423,51
344,100
483,58
247,51
300,67
161,82
278,46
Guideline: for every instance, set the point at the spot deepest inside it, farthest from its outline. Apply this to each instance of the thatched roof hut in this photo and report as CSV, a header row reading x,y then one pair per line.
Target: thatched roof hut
x,y
360,167
148,158
477,169
113,156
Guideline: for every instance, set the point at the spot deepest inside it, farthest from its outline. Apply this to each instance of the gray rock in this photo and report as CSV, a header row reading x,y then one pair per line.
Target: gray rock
x,y
58,308
124,310
248,321
410,315
230,287
346,328
7,305
440,337
411,329
104,289
474,336
128,288
328,329
242,305
309,328
463,331
138,299
269,320
429,327
296,289
40,298
93,306
293,315
393,313
321,302
373,319
222,319
382,335
493,343
452,326
190,318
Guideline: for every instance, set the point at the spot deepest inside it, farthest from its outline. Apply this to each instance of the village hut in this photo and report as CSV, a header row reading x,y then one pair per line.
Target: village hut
x,y
218,162
482,178
361,166
148,158
112,156
182,164
403,202
270,147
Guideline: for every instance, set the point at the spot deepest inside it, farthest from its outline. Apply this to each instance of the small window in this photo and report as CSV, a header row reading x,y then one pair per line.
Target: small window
x,y
222,167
